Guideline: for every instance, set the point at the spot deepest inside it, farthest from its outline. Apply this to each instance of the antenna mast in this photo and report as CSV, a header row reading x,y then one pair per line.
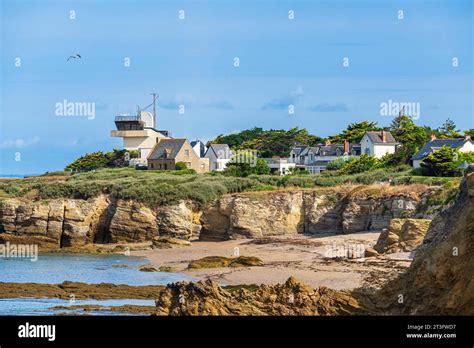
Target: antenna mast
x,y
155,97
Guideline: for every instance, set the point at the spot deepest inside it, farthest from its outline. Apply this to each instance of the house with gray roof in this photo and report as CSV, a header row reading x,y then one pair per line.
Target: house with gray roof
x,y
378,143
316,158
462,144
167,152
219,155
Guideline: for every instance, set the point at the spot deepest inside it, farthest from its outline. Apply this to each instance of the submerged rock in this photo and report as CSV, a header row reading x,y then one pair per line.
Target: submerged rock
x,y
221,261
168,243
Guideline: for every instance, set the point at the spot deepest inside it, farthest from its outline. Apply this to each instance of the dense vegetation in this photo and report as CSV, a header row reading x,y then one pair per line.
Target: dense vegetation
x,y
271,143
97,160
156,188
277,143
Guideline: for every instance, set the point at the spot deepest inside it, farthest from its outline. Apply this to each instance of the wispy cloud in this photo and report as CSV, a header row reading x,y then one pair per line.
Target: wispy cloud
x,y
19,143
328,107
222,105
283,102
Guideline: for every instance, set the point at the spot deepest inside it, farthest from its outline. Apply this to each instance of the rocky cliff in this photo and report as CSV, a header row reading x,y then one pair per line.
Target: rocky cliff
x,y
259,214
440,281
70,222
441,278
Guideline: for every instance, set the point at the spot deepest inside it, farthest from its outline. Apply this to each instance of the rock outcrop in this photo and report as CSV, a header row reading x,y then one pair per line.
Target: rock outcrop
x,y
104,219
178,221
290,298
402,235
261,214
440,279
131,222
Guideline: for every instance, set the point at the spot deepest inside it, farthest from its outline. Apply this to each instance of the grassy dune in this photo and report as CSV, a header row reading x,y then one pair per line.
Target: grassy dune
x,y
155,188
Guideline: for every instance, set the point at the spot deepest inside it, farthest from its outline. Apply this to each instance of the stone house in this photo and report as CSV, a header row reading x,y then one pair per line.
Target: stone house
x,y
167,152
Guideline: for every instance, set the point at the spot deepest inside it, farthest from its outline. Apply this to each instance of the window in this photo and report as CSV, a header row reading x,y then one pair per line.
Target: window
x,y
367,151
151,164
159,166
188,164
186,152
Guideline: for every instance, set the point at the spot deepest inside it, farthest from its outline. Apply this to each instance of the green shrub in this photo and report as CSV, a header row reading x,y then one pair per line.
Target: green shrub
x,y
180,166
361,164
97,160
339,163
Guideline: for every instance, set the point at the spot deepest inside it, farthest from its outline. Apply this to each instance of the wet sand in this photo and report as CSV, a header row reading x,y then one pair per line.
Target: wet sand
x,y
312,260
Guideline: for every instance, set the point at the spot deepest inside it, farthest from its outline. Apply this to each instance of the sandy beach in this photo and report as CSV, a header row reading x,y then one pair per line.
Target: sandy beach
x,y
310,259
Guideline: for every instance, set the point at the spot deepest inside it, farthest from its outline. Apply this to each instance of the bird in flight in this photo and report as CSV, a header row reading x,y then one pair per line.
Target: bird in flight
x,y
76,56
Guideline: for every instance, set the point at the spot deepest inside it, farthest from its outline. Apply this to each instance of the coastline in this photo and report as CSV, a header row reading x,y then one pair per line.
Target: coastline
x,y
299,256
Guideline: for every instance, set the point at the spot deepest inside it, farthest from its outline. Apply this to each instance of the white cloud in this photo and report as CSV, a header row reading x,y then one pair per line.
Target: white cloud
x,y
19,143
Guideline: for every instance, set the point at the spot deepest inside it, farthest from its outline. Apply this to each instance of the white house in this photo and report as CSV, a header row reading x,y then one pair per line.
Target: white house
x,y
279,165
219,155
138,133
378,143
462,144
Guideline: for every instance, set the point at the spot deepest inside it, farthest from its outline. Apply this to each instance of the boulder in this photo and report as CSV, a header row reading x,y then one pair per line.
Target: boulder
x,y
402,235
168,243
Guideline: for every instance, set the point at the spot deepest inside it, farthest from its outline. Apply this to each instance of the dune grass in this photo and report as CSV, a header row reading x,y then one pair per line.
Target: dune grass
x,y
155,188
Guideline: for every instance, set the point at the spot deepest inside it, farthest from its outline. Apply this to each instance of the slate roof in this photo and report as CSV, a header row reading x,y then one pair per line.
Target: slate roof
x,y
376,137
437,144
202,148
328,150
297,149
305,151
172,145
222,151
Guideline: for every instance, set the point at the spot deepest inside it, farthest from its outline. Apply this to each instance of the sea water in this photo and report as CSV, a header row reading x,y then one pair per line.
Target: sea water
x,y
88,268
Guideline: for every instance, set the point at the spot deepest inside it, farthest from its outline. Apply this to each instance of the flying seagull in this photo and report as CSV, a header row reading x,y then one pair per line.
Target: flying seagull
x,y
76,56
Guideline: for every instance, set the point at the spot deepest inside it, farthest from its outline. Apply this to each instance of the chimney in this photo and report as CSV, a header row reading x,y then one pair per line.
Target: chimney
x,y
467,137
327,142
384,136
346,147
433,137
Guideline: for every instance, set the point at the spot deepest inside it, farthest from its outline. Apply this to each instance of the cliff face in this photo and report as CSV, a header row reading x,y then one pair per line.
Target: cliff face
x,y
70,223
441,278
290,212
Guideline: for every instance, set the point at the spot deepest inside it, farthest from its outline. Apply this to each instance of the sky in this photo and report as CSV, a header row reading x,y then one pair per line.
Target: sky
x,y
331,62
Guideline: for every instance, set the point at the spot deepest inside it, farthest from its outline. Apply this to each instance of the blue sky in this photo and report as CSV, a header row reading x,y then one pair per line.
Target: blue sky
x,y
191,62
